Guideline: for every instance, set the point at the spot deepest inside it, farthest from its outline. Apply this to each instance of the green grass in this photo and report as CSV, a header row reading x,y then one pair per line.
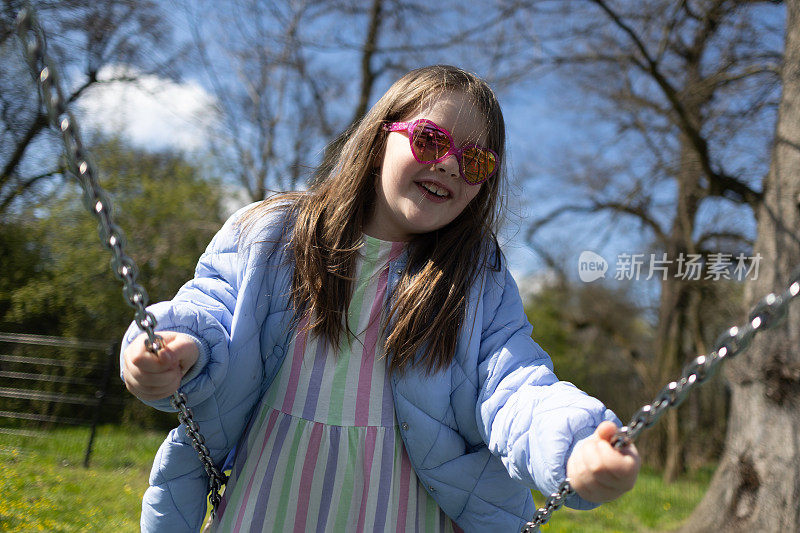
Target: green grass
x,y
44,487
651,506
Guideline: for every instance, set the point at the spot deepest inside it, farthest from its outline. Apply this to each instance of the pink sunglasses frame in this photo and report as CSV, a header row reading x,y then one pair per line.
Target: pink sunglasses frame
x,y
408,127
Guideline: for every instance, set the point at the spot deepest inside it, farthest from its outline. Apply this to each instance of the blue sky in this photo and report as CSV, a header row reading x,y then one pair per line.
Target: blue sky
x,y
545,116
162,114
540,123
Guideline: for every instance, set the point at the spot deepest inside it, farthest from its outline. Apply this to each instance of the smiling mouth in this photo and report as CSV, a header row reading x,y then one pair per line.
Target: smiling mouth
x,y
435,190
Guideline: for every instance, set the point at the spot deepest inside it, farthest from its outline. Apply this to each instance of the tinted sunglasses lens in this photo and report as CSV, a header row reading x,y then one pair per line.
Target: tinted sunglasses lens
x,y
429,143
478,164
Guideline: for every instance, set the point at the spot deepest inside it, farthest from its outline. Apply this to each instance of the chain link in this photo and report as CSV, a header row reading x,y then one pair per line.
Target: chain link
x,y
553,503
766,314
112,237
216,479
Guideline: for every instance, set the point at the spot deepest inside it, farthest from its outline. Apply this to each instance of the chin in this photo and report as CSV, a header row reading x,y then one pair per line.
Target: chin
x,y
429,228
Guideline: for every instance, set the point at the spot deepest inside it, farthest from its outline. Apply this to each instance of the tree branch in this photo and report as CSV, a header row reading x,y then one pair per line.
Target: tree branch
x,y
727,235
719,183
24,185
721,79
367,52
38,124
596,207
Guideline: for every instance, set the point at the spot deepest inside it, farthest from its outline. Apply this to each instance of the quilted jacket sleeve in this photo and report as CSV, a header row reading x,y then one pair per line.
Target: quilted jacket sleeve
x,y
216,309
528,418
203,308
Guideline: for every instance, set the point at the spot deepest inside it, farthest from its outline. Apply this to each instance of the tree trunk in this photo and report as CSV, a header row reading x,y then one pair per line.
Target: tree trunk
x,y
676,319
368,78
757,484
673,312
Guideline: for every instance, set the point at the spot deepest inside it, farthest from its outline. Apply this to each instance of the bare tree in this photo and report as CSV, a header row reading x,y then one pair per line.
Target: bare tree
x,y
757,483
291,76
686,85
93,42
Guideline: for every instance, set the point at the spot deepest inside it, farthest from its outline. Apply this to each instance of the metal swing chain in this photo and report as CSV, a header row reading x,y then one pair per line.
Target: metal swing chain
x,y
96,201
766,314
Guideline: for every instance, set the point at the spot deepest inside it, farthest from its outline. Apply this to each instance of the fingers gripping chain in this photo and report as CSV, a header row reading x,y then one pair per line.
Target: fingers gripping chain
x,y
766,314
96,201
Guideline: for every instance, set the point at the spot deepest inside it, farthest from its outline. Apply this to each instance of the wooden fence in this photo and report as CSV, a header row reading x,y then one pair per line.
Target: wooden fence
x,y
51,381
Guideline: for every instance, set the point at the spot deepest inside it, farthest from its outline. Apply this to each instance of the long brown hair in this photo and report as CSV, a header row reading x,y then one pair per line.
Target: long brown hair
x,y
429,304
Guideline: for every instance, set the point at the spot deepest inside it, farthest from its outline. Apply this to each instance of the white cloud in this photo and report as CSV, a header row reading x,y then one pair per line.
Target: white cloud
x,y
151,113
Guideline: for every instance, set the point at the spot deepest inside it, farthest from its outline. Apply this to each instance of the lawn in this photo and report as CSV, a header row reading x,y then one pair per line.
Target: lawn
x,y
44,487
651,506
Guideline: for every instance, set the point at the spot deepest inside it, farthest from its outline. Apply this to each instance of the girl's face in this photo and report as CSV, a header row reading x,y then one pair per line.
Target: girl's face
x,y
414,198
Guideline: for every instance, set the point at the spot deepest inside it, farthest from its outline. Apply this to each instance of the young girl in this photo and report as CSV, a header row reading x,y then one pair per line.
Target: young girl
x,y
366,346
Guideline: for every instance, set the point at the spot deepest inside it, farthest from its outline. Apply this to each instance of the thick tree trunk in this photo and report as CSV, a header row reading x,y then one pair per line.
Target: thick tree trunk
x,y
757,484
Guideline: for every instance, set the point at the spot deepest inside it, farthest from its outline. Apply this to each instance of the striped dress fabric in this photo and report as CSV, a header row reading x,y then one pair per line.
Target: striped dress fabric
x,y
324,452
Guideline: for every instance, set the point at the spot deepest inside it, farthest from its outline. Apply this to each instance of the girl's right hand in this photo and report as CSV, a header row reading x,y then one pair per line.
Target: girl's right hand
x,y
152,377
598,471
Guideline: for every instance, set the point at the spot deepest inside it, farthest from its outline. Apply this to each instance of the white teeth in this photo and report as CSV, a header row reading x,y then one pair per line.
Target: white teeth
x,y
434,189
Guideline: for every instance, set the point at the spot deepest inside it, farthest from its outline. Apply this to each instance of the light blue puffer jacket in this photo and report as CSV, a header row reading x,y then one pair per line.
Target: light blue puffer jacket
x,y
480,434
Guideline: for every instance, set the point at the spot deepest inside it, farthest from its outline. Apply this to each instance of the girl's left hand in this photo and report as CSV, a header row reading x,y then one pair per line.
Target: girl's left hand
x,y
599,472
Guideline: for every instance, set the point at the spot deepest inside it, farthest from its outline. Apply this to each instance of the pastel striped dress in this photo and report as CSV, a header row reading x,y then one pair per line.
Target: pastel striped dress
x,y
324,452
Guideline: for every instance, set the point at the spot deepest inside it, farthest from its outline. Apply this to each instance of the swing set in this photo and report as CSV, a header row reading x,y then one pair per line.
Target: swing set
x,y
766,314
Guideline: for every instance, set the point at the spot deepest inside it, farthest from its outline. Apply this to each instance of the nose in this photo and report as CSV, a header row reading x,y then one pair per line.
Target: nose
x,y
449,166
